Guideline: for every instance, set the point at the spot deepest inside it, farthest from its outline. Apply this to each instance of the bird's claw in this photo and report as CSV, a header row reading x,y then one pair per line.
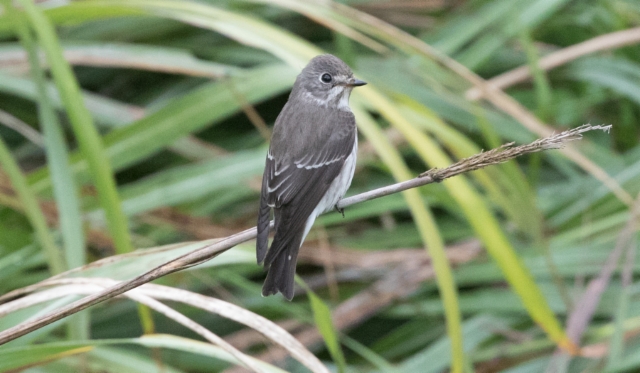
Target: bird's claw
x,y
339,210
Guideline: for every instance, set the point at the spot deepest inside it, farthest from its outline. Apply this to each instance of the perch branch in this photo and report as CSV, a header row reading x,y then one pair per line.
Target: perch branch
x,y
492,157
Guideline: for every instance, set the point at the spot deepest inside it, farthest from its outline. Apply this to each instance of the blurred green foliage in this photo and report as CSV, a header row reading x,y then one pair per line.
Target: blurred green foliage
x,y
147,125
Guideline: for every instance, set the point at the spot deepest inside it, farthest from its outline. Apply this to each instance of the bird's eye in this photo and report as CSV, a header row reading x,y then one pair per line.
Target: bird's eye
x,y
326,78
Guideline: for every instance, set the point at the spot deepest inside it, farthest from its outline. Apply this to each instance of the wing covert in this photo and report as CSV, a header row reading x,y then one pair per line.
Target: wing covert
x,y
310,173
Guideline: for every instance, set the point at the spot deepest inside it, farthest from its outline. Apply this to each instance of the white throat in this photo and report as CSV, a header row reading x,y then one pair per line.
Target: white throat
x,y
341,93
343,103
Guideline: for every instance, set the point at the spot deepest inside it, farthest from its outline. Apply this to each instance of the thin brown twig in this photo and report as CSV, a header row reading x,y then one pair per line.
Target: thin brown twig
x,y
605,42
210,251
491,157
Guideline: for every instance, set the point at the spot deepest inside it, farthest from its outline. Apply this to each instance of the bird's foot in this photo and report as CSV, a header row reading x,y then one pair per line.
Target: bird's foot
x,y
339,210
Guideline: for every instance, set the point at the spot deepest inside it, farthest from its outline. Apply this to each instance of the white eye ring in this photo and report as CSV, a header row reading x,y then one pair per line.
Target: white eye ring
x,y
326,78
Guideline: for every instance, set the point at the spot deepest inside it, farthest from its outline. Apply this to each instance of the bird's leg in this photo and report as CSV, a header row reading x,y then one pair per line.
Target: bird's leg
x,y
339,210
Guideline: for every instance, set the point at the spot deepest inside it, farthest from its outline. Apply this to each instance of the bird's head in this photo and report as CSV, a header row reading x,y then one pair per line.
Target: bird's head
x,y
326,81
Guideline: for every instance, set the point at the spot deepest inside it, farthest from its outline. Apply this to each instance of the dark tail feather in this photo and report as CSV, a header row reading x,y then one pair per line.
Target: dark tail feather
x,y
281,260
262,240
281,273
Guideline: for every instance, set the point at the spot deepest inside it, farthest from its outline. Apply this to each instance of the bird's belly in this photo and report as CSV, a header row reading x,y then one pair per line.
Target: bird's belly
x,y
340,184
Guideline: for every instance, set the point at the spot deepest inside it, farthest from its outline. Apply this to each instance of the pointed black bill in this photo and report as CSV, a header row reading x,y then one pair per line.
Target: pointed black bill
x,y
357,83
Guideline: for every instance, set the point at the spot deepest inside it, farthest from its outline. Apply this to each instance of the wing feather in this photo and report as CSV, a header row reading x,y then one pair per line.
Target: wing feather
x,y
288,179
297,175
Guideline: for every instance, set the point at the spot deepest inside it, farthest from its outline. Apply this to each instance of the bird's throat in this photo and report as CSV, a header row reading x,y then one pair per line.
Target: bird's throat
x,y
336,98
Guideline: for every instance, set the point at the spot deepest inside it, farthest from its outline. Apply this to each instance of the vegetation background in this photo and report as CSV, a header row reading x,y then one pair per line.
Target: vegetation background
x,y
145,123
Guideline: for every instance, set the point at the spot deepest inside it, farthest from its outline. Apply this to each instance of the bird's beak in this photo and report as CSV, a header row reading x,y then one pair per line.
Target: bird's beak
x,y
356,83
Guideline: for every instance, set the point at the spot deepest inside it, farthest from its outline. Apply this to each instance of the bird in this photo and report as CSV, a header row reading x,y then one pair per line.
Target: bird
x,y
309,165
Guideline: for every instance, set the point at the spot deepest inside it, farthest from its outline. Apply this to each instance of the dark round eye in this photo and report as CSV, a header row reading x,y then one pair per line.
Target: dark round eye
x,y
326,78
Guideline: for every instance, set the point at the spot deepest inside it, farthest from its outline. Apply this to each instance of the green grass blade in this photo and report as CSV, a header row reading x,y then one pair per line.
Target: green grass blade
x,y
108,358
12,359
245,29
32,210
322,319
65,191
619,75
73,13
541,82
107,112
434,358
83,127
192,182
129,56
369,355
64,188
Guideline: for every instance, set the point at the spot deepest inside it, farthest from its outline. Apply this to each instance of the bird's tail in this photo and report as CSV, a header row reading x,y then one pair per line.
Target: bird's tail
x,y
280,277
281,261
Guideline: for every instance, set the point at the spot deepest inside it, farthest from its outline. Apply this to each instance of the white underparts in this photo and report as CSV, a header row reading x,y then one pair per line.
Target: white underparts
x,y
336,190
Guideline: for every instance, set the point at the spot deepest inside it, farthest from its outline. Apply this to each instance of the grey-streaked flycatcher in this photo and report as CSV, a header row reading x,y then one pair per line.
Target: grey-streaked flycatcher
x,y
309,165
